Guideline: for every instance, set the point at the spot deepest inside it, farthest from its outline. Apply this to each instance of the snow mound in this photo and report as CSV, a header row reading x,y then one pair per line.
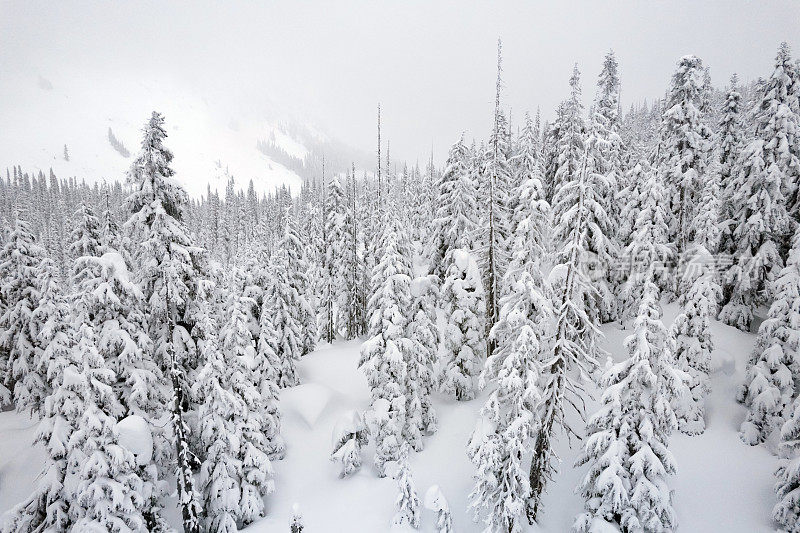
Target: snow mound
x,y
309,400
434,499
135,435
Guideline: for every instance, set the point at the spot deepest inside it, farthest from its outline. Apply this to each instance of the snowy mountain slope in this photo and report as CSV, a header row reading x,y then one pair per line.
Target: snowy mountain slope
x,y
721,485
205,138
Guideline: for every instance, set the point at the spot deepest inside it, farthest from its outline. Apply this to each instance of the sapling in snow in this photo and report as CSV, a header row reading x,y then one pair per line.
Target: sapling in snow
x,y
435,501
408,511
349,435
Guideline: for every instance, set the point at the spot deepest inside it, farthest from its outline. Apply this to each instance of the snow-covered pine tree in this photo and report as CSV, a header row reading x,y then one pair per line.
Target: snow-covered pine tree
x,y
605,160
349,435
407,503
280,303
424,331
760,220
20,262
495,185
648,245
575,336
108,495
531,218
627,445
435,501
630,198
730,140
51,315
510,415
109,230
219,471
577,164
334,292
257,430
464,337
386,354
789,130
47,509
502,487
569,152
235,427
298,267
684,145
774,366
166,262
787,511
84,239
115,307
700,294
296,525
456,215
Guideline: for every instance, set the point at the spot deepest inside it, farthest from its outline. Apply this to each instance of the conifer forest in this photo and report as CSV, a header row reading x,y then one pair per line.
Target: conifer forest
x,y
581,316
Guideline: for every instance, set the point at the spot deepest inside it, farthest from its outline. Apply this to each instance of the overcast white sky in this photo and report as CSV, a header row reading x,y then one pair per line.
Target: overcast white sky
x,y
430,64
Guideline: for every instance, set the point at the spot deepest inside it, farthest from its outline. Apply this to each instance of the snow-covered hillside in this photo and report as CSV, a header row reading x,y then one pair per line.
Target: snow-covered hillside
x,y
721,484
48,114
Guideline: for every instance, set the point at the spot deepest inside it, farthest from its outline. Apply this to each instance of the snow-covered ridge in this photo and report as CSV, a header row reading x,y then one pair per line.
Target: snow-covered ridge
x,y
207,141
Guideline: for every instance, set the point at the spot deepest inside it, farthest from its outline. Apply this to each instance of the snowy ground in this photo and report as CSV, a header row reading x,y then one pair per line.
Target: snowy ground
x,y
722,484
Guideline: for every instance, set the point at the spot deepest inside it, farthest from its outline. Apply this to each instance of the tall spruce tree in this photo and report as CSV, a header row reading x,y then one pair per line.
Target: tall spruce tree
x,y
386,355
627,444
684,145
495,208
167,264
575,334
760,220
20,261
775,365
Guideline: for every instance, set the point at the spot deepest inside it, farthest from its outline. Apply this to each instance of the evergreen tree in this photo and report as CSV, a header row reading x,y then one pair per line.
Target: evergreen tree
x,y
606,166
166,262
627,444
579,173
684,145
731,133
463,337
424,332
408,511
502,487
349,435
691,332
386,355
85,237
493,235
775,364
435,501
109,491
280,302
235,425
47,509
298,266
52,315
760,221
297,520
334,294
456,215
20,262
575,334
648,244
787,511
